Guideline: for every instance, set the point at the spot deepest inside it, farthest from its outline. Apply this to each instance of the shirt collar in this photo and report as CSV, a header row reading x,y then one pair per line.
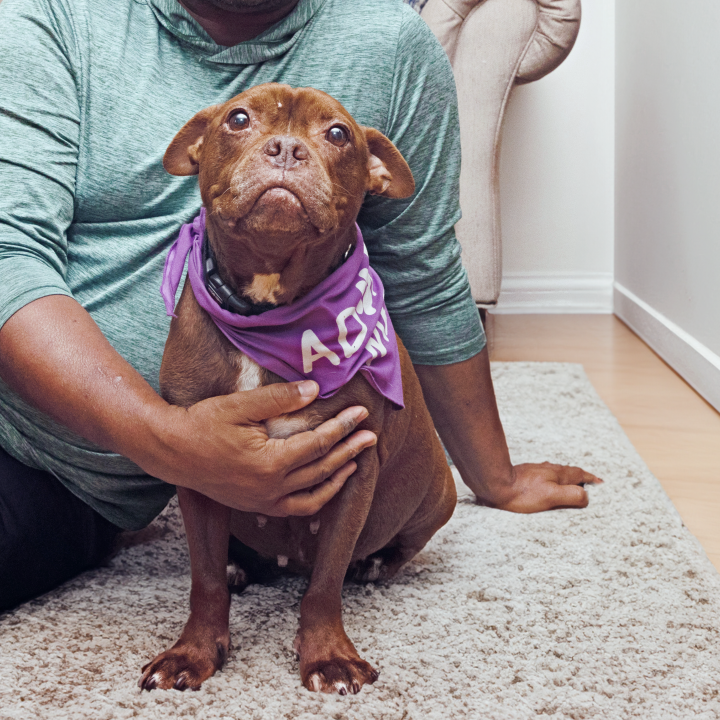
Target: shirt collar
x,y
274,42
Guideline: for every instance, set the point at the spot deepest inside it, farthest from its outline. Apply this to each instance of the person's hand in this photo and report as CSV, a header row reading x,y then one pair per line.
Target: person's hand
x,y
541,487
461,400
220,447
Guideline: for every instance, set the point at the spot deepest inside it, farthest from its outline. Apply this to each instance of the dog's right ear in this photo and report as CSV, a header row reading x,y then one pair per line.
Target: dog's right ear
x,y
183,154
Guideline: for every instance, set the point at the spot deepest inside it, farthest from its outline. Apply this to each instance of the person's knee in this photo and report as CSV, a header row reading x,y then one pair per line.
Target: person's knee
x,y
16,571
47,534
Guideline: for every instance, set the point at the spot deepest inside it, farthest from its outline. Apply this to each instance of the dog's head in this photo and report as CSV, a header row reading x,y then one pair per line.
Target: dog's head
x,y
279,166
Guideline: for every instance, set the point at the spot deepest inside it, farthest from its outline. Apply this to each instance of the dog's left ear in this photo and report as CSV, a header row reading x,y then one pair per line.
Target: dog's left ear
x,y
183,154
390,175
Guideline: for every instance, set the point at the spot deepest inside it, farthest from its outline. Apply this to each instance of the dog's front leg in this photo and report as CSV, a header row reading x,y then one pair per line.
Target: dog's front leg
x,y
203,645
329,661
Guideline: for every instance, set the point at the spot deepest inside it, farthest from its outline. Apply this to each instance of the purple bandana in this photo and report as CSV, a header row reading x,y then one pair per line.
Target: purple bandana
x,y
339,328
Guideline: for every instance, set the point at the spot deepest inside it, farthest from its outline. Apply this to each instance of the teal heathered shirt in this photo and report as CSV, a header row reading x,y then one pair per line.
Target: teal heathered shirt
x,y
91,94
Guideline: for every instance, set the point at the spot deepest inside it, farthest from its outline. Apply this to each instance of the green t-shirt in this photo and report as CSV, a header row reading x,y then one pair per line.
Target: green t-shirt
x,y
91,94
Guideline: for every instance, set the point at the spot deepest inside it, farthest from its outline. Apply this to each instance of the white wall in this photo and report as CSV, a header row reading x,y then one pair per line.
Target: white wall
x,y
557,166
667,267
610,169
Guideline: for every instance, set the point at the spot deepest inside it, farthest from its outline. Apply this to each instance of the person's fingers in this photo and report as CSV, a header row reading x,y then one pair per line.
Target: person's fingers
x,y
309,501
271,400
315,472
567,496
571,475
303,448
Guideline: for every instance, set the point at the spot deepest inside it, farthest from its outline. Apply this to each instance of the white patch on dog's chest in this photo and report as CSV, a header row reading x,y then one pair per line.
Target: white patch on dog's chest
x,y
249,378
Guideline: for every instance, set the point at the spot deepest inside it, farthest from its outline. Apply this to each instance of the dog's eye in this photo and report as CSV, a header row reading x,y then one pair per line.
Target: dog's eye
x,y
239,120
337,135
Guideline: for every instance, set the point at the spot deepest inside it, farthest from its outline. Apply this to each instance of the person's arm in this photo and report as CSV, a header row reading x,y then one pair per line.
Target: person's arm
x,y
53,354
413,247
461,400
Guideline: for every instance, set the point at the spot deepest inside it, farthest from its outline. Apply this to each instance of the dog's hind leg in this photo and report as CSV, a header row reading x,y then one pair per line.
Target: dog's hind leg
x,y
203,645
435,510
329,661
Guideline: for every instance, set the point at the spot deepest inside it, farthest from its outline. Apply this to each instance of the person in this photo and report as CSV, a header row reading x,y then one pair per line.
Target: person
x,y
92,93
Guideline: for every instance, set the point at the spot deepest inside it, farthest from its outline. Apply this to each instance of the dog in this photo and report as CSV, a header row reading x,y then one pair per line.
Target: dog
x,y
283,173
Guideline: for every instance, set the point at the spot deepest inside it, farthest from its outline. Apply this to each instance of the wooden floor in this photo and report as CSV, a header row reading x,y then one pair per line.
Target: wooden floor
x,y
675,431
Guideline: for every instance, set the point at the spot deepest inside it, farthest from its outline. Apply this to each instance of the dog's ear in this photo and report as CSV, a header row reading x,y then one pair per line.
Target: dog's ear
x,y
183,153
390,175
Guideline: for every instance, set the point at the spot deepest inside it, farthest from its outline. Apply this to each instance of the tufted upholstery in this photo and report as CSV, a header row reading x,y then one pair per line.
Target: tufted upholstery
x,y
493,45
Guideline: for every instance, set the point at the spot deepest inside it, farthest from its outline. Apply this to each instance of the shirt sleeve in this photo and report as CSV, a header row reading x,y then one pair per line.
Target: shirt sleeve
x,y
39,133
412,242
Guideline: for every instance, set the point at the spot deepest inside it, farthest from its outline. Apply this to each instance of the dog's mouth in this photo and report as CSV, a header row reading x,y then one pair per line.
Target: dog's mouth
x,y
281,199
277,211
277,204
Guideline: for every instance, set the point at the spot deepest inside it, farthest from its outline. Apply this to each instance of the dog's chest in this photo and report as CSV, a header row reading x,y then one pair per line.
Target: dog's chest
x,y
252,376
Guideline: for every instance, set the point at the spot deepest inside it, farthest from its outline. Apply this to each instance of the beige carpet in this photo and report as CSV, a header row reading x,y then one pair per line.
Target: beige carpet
x,y
609,612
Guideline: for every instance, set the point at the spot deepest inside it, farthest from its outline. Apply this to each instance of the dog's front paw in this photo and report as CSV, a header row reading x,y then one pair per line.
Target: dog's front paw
x,y
183,667
339,675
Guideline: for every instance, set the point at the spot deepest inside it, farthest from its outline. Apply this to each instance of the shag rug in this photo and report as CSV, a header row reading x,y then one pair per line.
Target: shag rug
x,y
608,612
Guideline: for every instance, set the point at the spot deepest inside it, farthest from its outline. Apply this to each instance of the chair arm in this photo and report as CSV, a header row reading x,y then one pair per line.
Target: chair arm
x,y
557,29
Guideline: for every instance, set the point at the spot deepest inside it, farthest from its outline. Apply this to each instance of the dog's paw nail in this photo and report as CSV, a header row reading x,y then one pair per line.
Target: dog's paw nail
x,y
237,578
374,572
150,683
181,682
315,682
355,687
374,675
342,690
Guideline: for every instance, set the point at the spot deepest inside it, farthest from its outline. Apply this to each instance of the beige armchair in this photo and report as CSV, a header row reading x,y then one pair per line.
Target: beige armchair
x,y
493,45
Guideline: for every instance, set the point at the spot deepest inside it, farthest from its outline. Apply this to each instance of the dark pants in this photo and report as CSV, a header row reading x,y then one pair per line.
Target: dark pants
x,y
47,535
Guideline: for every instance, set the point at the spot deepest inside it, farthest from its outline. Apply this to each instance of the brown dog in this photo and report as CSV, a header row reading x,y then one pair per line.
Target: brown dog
x,y
283,173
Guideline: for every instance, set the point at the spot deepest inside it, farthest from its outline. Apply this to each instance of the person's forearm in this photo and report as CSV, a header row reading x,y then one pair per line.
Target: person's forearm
x,y
54,355
461,400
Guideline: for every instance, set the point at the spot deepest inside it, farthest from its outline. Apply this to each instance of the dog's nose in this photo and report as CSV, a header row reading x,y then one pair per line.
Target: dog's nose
x,y
286,151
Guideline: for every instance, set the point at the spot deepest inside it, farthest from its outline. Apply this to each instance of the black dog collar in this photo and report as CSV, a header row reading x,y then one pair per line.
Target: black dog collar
x,y
222,294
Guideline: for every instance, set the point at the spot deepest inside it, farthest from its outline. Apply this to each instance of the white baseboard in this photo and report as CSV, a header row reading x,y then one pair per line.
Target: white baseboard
x,y
693,361
556,293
